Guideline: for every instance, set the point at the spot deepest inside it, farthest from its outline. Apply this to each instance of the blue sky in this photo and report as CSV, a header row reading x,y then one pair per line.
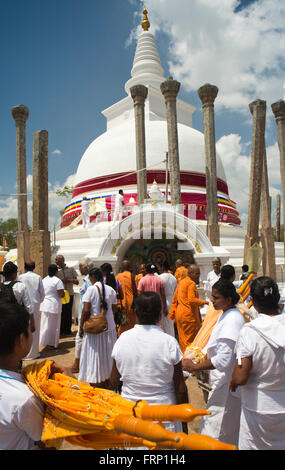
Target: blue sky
x,y
68,60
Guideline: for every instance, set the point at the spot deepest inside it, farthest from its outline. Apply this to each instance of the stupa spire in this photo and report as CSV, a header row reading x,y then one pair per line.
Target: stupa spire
x,y
147,69
145,22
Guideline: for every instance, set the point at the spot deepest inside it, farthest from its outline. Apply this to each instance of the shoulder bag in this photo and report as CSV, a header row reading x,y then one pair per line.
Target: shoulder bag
x,y
97,323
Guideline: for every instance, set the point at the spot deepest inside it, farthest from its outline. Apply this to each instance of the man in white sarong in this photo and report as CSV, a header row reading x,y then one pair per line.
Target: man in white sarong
x,y
35,288
170,284
119,206
85,212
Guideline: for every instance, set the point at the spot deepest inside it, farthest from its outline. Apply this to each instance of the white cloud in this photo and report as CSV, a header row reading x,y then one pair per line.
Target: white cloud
x,y
56,152
242,53
237,168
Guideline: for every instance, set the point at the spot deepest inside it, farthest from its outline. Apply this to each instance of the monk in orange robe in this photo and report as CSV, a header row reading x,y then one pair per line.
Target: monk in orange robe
x,y
185,308
127,280
181,271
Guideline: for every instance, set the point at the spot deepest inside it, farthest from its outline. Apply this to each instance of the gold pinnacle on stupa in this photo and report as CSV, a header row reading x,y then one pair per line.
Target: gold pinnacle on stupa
x,y
145,22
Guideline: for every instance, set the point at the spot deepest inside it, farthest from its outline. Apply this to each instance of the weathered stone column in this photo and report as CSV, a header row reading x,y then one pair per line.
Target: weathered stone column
x,y
40,235
267,232
278,109
258,111
169,89
139,95
207,94
277,216
20,114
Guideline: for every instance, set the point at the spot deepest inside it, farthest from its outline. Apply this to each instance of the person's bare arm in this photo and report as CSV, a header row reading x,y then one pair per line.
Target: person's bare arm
x,y
115,377
84,316
241,373
190,366
163,299
61,292
74,280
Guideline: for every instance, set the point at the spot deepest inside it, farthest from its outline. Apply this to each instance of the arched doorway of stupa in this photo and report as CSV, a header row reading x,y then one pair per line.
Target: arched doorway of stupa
x,y
156,252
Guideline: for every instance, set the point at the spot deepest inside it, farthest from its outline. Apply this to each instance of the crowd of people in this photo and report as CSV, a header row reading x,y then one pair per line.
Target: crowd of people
x,y
147,355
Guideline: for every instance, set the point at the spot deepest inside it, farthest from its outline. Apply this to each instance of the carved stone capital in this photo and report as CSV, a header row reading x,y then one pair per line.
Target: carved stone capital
x,y
170,88
20,113
139,93
207,94
278,109
258,105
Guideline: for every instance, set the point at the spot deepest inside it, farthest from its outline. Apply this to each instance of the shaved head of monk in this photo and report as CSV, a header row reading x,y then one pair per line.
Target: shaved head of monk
x,y
194,272
126,265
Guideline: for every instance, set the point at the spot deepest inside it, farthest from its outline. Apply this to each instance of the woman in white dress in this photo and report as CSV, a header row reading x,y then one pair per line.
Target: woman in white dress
x,y
148,361
223,422
170,284
51,309
95,359
260,371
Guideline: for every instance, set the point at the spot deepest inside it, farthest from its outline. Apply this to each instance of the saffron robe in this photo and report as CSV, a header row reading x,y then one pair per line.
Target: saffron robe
x,y
126,281
185,311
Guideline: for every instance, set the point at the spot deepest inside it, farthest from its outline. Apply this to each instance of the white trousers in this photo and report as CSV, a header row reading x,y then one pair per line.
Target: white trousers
x,y
117,213
85,219
34,351
78,344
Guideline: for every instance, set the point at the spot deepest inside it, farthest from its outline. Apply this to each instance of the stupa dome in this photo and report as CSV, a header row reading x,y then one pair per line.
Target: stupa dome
x,y
109,162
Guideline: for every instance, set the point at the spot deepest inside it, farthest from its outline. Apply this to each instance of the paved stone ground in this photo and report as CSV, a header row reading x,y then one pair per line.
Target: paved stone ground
x,y
64,355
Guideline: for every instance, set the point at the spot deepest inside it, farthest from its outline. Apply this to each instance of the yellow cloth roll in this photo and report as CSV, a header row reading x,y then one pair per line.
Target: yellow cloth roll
x,y
99,418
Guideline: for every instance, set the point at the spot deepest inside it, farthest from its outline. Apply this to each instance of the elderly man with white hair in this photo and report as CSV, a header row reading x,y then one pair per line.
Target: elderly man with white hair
x,y
212,277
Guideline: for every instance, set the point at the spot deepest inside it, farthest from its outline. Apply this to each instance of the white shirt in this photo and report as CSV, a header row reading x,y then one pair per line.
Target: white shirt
x,y
21,413
145,358
170,284
85,206
221,345
22,295
92,296
213,277
263,339
52,303
35,287
119,202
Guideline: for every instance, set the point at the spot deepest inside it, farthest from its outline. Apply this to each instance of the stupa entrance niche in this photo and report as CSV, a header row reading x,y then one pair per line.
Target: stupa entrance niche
x,y
156,252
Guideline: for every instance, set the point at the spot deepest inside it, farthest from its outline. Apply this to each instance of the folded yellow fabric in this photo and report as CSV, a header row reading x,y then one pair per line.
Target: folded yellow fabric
x,y
101,419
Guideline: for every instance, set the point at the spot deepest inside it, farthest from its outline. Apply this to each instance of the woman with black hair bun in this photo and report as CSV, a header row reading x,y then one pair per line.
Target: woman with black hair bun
x,y
223,422
148,361
260,371
110,280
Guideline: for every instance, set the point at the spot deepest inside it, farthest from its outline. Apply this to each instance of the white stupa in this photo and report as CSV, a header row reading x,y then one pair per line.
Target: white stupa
x,y
109,164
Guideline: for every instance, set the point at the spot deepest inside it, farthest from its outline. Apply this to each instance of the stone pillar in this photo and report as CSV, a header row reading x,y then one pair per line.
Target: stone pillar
x,y
207,94
267,232
277,215
278,109
139,95
20,114
40,235
169,89
258,111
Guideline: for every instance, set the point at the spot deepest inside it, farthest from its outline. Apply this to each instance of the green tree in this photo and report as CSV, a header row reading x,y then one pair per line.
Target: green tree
x,y
9,230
